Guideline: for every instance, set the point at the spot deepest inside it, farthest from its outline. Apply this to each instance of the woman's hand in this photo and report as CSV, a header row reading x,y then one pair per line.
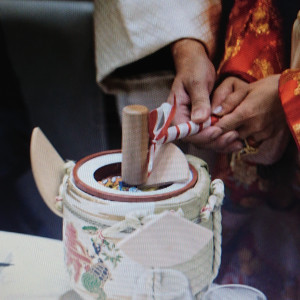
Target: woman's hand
x,y
229,140
254,110
222,98
272,149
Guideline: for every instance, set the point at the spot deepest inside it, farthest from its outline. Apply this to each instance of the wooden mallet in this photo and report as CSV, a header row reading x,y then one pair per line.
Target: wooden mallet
x,y
135,142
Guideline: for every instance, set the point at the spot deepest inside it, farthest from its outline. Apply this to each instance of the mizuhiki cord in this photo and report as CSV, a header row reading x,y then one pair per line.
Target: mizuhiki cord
x,y
160,131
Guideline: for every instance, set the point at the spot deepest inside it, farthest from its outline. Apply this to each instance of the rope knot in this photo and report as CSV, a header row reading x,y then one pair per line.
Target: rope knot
x,y
134,219
215,200
67,168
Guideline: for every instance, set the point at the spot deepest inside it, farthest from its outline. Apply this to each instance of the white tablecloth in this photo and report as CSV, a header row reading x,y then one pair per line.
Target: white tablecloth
x,y
37,268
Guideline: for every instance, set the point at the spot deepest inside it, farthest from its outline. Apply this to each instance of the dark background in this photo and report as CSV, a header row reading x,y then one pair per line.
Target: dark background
x,y
47,80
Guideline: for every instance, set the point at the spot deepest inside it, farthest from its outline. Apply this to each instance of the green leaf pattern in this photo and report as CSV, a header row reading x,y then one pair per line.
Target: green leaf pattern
x,y
108,252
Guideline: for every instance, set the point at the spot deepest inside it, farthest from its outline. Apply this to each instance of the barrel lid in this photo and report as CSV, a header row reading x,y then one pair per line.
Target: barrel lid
x,y
93,168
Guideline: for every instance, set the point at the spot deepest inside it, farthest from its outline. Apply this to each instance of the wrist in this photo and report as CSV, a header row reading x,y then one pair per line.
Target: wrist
x,y
185,51
187,46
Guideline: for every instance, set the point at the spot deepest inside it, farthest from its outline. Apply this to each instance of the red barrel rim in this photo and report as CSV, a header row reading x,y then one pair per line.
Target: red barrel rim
x,y
121,197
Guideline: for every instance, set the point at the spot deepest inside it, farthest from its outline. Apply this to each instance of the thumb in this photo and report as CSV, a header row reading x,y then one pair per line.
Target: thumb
x,y
200,101
228,95
232,101
220,94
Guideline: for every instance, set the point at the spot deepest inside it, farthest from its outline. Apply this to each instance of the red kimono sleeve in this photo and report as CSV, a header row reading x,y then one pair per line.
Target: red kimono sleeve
x,y
253,50
289,93
253,46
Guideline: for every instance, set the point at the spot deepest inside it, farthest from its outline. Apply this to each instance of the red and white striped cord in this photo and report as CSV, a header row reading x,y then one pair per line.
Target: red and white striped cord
x,y
160,131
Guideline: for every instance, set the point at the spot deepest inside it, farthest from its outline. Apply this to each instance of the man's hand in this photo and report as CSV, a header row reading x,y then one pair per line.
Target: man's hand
x,y
193,83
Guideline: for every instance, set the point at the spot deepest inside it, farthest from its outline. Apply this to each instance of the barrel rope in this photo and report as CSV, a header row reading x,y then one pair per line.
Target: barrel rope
x,y
213,208
67,169
134,220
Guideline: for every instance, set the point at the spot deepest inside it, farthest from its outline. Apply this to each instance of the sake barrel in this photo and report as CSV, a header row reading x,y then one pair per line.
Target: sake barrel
x,y
97,217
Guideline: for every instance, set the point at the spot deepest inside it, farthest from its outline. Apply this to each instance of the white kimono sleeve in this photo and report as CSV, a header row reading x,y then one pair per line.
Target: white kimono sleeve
x,y
128,30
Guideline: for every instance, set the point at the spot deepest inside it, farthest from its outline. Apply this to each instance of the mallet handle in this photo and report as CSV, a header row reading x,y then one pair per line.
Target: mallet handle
x,y
135,140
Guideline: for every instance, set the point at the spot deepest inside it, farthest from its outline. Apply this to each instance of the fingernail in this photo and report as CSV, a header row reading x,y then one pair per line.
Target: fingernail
x,y
217,110
198,115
